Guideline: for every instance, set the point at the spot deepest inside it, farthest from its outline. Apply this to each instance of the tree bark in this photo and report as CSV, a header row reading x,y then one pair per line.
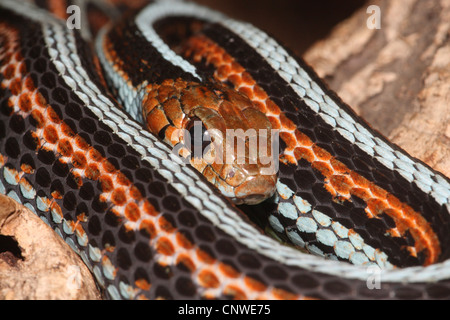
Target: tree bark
x,y
396,77
35,263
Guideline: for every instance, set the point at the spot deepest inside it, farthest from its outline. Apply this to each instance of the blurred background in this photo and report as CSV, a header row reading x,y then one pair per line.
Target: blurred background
x,y
298,24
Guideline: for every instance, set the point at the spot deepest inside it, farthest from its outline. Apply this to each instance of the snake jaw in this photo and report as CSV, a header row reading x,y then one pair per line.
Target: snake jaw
x,y
228,137
263,187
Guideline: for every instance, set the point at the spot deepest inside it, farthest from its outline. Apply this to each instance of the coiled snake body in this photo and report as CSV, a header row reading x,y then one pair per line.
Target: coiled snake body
x,y
74,149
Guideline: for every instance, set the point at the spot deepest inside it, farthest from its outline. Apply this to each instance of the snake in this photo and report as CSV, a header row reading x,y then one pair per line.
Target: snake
x,y
87,122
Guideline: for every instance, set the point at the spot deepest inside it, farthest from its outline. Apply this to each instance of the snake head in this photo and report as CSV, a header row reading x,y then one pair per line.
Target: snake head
x,y
224,135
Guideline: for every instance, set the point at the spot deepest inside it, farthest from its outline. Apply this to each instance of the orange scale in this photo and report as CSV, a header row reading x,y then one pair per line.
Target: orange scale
x,y
214,60
394,232
150,103
423,242
26,168
52,115
108,167
272,107
149,227
79,160
142,284
407,216
204,257
227,58
360,181
39,99
39,118
29,84
172,134
94,155
331,190
254,285
72,224
228,271
321,154
25,184
323,167
66,130
82,217
165,225
274,122
286,158
209,295
165,247
166,90
182,241
246,91
260,93
287,123
185,260
260,106
156,120
235,292
106,183
134,193
132,212
303,139
208,279
289,139
56,195
77,178
122,179
18,56
118,197
248,80
394,202
235,79
339,167
64,148
236,67
81,143
79,231
361,193
412,251
51,134
149,209
283,294
9,71
342,184
222,72
378,191
22,68
304,153
25,103
376,206
56,209
15,87
92,172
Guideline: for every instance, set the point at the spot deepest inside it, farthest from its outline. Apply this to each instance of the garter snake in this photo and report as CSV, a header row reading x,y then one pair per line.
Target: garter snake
x,y
75,149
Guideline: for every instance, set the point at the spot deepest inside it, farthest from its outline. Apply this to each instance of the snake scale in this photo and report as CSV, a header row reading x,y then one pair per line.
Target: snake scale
x,y
86,117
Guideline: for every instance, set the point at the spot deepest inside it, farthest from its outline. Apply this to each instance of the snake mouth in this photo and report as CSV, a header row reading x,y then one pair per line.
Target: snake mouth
x,y
255,190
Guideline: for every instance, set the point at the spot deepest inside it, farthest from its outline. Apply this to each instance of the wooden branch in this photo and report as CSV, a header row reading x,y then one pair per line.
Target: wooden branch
x,y
35,263
396,77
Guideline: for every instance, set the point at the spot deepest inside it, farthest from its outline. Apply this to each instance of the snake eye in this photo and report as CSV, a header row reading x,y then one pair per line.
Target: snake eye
x,y
199,136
